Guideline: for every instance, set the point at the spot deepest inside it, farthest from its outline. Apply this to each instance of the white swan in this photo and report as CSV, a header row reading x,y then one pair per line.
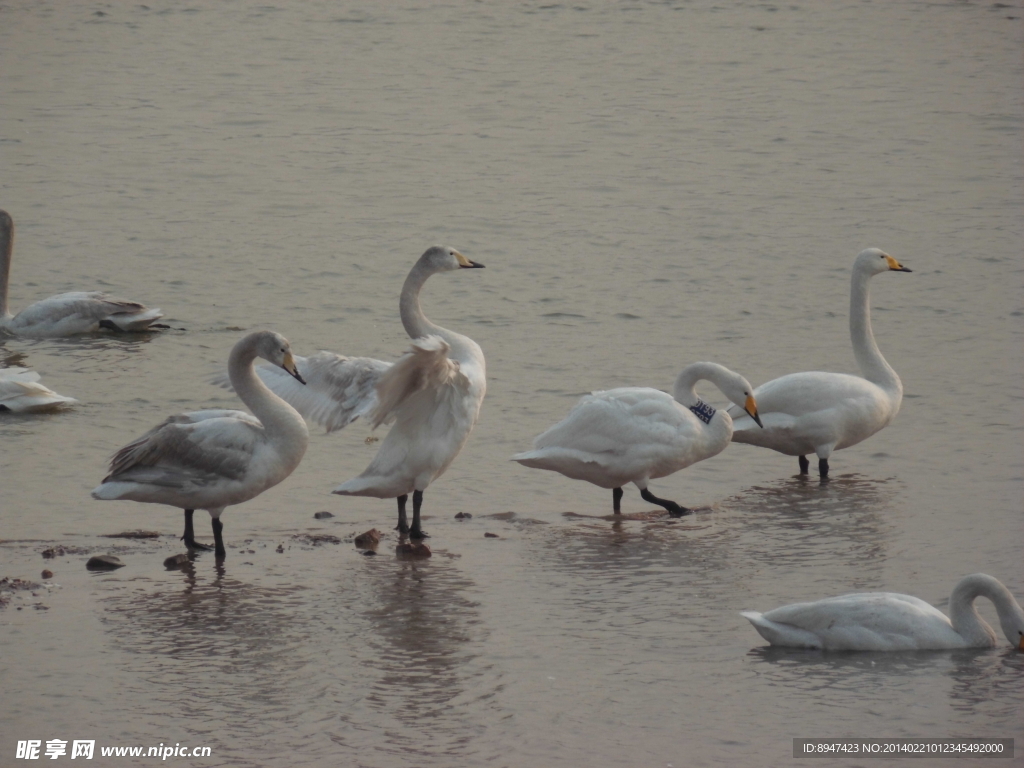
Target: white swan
x,y
885,621
636,434
21,392
215,458
816,412
66,314
432,393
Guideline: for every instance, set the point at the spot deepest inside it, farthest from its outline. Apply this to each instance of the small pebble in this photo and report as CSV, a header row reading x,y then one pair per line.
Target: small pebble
x,y
280,548
367,540
104,563
323,515
47,573
463,516
175,561
491,536
410,551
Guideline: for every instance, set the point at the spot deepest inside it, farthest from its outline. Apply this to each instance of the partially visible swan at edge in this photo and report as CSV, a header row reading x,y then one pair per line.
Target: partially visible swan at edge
x,y
637,434
21,392
816,412
432,393
66,314
886,621
215,458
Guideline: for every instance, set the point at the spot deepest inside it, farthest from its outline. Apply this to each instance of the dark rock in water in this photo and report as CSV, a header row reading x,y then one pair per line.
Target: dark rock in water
x,y
104,563
133,535
370,553
47,573
368,540
52,552
176,561
280,548
412,551
317,538
463,516
491,536
323,515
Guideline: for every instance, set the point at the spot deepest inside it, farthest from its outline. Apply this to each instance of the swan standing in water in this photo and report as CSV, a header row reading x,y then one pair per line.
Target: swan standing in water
x,y
66,314
215,458
432,393
637,434
885,621
816,412
21,392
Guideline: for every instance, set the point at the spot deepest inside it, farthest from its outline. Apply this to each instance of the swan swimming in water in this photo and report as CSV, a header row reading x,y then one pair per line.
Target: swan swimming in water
x,y
637,434
215,458
432,393
885,621
66,314
22,392
817,412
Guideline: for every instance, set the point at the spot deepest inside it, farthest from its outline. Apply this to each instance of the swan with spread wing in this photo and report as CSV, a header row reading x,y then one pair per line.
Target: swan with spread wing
x,y
432,394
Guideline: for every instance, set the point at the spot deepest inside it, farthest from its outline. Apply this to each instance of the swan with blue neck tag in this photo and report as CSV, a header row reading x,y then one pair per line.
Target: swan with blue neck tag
x,y
637,434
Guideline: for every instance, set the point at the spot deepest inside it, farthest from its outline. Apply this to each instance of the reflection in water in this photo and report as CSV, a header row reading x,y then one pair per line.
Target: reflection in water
x,y
987,682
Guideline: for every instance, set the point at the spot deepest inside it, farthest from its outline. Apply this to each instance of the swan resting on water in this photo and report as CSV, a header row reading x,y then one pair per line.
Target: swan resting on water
x,y
215,458
22,392
818,412
433,394
66,314
637,434
885,621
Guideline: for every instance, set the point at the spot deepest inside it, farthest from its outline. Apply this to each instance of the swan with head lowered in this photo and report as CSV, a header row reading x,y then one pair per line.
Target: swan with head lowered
x,y
432,394
818,412
66,314
886,621
637,434
22,392
216,458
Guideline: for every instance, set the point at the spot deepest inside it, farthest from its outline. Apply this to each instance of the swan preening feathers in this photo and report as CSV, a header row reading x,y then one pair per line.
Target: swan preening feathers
x,y
215,458
432,394
22,392
637,434
66,314
885,621
817,412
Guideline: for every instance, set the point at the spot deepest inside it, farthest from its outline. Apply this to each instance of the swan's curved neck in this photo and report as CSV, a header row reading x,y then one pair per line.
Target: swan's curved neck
x,y
964,616
415,322
6,251
685,391
869,359
277,417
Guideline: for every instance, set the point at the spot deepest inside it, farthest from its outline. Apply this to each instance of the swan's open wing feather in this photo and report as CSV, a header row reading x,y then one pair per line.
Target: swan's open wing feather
x,y
338,389
425,366
190,448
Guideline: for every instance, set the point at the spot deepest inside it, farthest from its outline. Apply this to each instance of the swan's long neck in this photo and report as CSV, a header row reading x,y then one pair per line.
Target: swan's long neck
x,y
964,616
869,358
685,391
464,349
6,251
280,420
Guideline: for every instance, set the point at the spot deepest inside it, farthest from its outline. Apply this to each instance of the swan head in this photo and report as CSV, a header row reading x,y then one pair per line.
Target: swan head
x,y
873,261
738,389
441,258
275,348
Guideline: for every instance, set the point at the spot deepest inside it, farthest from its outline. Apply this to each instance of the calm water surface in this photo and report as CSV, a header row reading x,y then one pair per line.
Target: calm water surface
x,y
649,184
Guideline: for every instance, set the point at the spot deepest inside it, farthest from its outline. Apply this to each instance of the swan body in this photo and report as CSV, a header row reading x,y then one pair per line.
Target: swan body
x,y
215,458
886,621
817,412
22,392
431,395
66,314
637,434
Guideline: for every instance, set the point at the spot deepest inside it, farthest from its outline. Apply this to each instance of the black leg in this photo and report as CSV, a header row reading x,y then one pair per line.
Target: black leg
x,y
673,509
416,532
805,465
218,539
616,500
823,467
403,523
189,537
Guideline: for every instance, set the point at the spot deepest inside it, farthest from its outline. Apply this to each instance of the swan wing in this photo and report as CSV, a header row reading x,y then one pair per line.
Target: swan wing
x,y
22,392
338,389
426,366
799,394
82,311
198,448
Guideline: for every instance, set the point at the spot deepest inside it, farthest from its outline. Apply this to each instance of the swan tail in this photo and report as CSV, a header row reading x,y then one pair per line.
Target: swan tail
x,y
781,634
367,486
111,491
133,321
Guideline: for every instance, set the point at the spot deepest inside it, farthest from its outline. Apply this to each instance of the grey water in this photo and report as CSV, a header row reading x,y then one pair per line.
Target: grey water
x,y
648,184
